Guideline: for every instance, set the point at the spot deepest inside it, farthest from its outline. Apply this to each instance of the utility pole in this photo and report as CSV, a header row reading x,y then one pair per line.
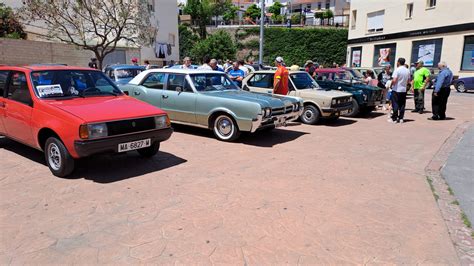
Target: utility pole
x,y
262,21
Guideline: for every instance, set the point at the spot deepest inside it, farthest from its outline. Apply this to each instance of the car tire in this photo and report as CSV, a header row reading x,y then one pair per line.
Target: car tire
x,y
460,87
355,109
225,128
151,151
310,115
58,159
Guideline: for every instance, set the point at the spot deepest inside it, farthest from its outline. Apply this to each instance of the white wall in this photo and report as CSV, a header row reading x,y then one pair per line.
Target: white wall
x,y
165,18
446,12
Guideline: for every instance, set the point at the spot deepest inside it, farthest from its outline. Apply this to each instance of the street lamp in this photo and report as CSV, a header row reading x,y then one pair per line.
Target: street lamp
x,y
262,21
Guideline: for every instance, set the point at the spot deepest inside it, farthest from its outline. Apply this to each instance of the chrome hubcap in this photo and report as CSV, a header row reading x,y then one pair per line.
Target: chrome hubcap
x,y
224,126
54,156
308,114
461,87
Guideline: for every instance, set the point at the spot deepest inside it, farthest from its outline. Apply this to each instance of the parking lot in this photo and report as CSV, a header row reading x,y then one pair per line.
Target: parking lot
x,y
351,191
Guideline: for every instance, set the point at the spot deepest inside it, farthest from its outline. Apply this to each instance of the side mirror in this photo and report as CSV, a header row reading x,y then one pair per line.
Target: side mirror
x,y
179,89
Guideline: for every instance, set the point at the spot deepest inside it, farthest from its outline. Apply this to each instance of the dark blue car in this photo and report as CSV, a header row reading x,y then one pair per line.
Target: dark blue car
x,y
464,84
122,74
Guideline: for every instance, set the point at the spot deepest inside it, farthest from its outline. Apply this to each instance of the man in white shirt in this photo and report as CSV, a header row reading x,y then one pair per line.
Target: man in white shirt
x,y
400,78
206,60
243,68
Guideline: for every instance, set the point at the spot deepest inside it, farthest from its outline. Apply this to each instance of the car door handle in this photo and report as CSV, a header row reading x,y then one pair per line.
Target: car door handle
x,y
136,93
164,96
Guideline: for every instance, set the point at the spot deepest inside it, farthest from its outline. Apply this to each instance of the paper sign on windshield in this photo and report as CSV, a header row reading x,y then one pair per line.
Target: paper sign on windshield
x,y
49,90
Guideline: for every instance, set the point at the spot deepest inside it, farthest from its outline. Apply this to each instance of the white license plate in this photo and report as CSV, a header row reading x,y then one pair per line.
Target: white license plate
x,y
345,112
134,145
280,121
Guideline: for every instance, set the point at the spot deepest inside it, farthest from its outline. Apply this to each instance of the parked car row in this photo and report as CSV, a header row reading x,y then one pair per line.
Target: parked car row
x,y
73,112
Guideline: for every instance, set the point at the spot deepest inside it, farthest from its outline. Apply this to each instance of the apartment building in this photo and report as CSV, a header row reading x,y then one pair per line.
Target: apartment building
x,y
165,47
428,30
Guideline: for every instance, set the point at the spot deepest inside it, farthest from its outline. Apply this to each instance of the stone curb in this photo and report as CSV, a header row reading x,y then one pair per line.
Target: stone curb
x,y
460,234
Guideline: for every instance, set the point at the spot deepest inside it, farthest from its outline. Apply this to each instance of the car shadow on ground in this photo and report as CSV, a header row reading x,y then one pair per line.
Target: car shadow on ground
x,y
102,168
116,167
338,123
369,115
261,138
22,150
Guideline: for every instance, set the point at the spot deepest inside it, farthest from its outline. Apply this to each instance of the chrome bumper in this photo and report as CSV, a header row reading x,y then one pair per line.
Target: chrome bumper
x,y
276,120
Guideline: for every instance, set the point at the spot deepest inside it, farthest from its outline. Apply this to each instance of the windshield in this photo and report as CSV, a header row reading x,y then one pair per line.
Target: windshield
x,y
126,73
304,81
72,83
212,82
356,73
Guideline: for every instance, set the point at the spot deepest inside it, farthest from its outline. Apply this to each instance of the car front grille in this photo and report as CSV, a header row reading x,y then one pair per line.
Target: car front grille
x,y
341,102
130,126
282,110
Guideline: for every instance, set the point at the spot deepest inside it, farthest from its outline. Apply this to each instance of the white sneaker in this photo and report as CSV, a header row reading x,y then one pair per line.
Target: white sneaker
x,y
400,121
390,120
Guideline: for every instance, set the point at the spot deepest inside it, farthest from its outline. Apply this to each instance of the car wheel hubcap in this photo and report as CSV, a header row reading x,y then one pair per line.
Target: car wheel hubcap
x,y
224,126
308,115
461,87
54,156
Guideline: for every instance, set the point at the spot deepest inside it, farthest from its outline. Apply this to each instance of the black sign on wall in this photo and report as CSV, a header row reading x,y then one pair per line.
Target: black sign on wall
x,y
384,54
428,51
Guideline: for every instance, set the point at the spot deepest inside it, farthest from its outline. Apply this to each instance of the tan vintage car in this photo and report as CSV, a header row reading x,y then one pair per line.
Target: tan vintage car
x,y
318,103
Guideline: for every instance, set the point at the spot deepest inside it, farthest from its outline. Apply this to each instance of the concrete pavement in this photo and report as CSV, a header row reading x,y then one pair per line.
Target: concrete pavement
x,y
459,173
354,191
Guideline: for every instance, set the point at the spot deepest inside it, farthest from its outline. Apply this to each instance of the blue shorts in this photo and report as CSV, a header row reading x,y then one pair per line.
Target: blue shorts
x,y
389,95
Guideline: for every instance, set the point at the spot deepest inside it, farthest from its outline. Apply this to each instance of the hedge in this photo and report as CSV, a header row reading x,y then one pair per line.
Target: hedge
x,y
296,45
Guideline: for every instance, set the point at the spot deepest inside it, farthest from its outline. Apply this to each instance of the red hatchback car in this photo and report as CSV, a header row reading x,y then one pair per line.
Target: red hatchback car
x,y
73,112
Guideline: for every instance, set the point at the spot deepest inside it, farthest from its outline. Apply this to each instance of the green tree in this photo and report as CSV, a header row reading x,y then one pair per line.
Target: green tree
x,y
218,45
230,14
296,18
275,9
95,25
201,12
328,15
253,11
187,40
10,27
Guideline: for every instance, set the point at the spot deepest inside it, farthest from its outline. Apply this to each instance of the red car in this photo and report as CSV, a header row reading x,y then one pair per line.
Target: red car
x,y
73,112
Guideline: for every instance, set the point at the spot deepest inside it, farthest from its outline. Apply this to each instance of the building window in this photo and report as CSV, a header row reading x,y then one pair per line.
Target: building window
x,y
151,6
409,10
384,54
354,19
328,4
468,54
319,5
356,56
375,21
430,3
428,51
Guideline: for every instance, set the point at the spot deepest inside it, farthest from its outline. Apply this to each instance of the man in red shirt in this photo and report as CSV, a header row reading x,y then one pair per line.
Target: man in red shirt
x,y
280,80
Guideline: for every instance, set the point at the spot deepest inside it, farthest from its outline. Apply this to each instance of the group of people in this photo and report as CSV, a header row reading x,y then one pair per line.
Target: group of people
x,y
395,85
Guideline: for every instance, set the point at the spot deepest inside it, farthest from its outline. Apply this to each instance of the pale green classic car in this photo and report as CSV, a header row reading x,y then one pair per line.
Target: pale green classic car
x,y
210,99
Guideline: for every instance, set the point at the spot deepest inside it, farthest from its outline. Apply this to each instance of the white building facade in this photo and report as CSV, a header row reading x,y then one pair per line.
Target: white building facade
x,y
428,30
165,46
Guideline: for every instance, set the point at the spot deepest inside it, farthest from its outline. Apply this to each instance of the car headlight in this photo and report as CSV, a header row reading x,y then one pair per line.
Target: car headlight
x,y
333,102
269,112
365,97
350,99
93,131
162,121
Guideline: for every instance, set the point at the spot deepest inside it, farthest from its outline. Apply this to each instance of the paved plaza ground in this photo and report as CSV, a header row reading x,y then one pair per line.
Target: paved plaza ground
x,y
354,191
